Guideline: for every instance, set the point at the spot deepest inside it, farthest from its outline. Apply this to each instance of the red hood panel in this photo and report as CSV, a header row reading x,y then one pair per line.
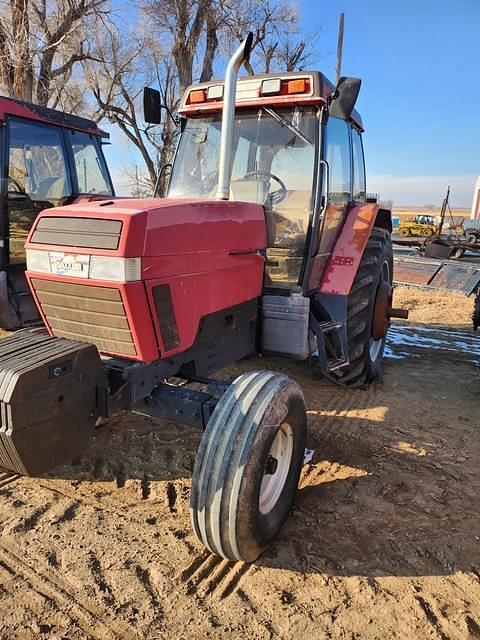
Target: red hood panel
x,y
163,227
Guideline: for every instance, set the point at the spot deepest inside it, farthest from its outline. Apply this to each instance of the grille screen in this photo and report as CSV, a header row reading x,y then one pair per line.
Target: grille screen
x,y
166,316
78,232
86,313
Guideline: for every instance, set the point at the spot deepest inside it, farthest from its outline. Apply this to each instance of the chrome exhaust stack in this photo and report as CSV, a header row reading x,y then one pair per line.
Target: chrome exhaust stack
x,y
228,115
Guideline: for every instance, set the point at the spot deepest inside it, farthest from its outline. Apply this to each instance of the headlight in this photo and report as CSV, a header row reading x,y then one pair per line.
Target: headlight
x,y
115,269
38,261
93,267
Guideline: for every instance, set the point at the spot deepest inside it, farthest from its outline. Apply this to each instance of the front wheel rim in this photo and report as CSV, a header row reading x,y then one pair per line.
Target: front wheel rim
x,y
276,470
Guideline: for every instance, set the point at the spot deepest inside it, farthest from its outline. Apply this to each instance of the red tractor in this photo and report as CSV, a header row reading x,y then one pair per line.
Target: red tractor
x,y
264,245
49,159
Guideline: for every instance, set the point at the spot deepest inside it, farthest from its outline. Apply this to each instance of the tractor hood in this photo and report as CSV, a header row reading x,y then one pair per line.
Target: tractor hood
x,y
150,228
137,277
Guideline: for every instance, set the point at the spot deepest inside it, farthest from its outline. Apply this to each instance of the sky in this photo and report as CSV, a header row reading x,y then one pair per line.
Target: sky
x,y
419,62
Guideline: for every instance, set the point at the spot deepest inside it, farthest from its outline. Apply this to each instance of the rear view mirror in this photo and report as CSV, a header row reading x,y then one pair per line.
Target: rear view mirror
x,y
152,108
344,98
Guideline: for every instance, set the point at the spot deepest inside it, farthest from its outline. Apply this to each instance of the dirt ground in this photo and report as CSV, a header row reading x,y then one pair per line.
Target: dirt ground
x,y
383,541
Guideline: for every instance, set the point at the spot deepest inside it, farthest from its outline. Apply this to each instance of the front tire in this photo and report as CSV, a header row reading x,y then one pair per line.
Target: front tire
x,y
248,465
427,233
365,352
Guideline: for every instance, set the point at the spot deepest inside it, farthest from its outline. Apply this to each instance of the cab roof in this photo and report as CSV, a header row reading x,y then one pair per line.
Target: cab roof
x,y
20,109
316,89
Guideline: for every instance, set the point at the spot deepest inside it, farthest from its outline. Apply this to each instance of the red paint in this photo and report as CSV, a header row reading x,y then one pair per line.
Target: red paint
x,y
348,250
19,109
207,251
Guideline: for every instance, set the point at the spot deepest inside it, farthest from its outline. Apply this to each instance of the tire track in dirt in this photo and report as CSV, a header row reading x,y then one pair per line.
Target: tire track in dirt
x,y
30,520
8,478
148,581
55,590
210,575
84,500
431,617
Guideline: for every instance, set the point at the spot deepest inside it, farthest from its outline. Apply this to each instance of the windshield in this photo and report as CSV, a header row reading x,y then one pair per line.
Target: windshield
x,y
279,143
272,164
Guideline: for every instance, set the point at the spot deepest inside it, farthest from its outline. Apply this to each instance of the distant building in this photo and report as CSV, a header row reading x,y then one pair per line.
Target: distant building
x,y
475,215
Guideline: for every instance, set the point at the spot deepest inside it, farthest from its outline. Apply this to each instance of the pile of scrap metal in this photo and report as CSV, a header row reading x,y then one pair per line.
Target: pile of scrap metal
x,y
440,275
449,240
436,266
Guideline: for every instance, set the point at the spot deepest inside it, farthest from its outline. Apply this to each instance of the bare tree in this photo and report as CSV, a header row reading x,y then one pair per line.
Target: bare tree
x,y
181,42
182,24
41,43
278,41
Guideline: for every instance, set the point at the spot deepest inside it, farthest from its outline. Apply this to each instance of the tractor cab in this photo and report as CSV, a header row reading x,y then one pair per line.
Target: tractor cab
x,y
282,146
49,159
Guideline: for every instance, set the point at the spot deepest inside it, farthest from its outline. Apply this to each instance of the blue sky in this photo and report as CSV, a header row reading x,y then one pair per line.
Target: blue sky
x,y
420,98
420,67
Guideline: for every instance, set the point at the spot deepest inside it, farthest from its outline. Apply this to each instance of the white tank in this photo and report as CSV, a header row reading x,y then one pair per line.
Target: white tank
x,y
475,215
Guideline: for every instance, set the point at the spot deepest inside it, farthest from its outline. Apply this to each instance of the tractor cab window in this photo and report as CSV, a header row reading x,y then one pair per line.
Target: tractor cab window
x,y
338,158
92,175
37,178
359,188
272,165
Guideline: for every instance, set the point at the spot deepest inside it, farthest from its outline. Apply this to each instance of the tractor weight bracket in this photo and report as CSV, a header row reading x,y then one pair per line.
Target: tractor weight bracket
x,y
182,405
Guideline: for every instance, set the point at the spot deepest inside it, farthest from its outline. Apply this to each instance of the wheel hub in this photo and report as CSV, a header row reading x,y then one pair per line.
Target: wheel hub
x,y
276,468
271,466
381,315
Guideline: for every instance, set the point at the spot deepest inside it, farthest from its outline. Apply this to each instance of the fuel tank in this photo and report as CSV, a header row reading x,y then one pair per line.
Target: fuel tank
x,y
137,277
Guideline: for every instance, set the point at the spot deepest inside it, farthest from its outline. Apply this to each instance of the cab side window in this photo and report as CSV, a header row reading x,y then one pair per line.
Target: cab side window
x,y
338,158
359,188
92,175
38,178
37,164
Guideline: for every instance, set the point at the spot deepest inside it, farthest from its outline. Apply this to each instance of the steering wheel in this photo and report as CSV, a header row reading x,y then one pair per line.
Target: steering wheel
x,y
276,196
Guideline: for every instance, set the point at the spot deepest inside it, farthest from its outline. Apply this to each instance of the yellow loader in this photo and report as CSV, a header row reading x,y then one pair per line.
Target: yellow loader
x,y
419,226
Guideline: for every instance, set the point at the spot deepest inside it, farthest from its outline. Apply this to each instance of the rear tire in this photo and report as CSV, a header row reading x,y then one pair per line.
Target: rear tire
x,y
476,311
365,353
248,465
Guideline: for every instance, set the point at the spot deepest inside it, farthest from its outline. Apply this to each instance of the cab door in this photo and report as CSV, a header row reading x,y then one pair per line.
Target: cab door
x,y
37,178
338,169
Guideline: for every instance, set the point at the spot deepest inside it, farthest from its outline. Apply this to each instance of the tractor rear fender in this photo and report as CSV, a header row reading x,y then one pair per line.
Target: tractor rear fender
x,y
330,304
350,245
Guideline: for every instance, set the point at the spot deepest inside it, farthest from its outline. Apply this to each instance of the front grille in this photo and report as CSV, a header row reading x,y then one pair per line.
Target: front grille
x,y
86,313
78,232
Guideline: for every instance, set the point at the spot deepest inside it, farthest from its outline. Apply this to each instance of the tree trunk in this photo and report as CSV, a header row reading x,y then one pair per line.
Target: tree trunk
x,y
23,69
210,50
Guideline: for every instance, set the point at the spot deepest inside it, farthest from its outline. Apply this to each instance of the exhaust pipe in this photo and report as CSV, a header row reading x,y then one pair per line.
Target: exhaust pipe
x,y
228,114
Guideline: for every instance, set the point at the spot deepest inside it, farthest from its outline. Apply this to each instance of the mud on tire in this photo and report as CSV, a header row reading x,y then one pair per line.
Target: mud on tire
x,y
248,465
365,353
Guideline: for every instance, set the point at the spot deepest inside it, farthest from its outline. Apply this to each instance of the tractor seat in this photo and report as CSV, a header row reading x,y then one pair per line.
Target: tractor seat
x,y
249,190
52,188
